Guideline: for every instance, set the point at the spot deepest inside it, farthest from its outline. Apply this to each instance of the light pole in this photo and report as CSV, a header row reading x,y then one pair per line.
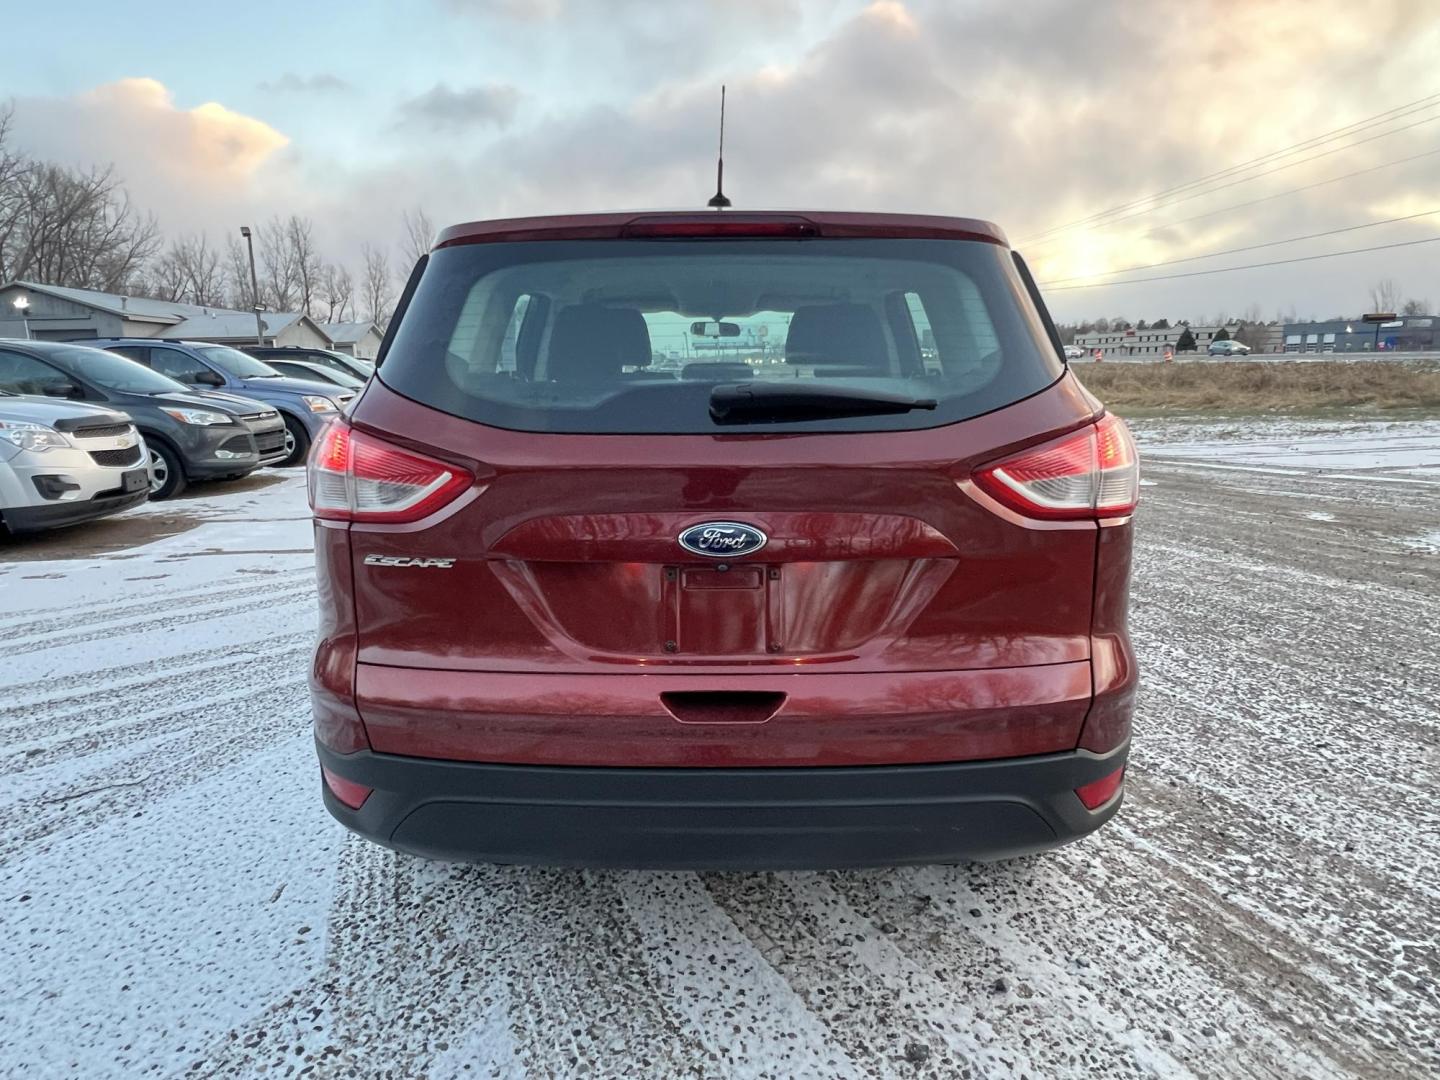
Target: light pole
x,y
22,305
254,286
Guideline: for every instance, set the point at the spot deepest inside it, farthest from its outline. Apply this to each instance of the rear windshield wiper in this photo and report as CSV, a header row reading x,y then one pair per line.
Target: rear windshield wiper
x,y
759,402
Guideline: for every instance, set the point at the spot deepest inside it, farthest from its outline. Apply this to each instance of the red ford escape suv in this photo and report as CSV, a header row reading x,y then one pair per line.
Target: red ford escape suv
x,y
723,540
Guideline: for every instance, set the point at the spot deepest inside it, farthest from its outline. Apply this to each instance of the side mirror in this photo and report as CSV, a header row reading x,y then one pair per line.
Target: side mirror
x,y
61,388
208,378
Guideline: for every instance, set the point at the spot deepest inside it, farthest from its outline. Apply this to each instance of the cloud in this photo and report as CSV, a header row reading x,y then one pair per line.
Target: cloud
x,y
522,10
1031,114
194,167
629,45
441,108
291,83
135,122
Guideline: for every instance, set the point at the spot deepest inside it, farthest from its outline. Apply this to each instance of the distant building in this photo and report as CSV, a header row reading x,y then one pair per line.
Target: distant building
x,y
58,313
1409,333
1152,342
360,339
1148,342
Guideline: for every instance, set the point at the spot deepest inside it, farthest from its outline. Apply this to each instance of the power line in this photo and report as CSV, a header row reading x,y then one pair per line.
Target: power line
x,y
1419,104
1291,191
1250,266
1267,172
1239,250
1399,112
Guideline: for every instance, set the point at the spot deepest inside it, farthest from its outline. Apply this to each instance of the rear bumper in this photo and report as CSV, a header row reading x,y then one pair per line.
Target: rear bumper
x,y
722,818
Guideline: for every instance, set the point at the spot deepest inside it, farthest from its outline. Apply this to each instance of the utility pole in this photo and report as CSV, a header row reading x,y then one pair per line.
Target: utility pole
x,y
254,286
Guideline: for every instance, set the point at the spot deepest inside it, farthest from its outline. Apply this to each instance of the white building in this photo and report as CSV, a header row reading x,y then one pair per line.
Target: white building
x,y
360,339
1147,342
58,313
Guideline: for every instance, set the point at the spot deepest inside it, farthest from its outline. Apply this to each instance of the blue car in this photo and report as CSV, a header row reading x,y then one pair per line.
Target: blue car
x,y
306,406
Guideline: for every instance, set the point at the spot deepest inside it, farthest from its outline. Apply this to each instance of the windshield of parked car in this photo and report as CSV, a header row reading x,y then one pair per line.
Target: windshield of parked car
x,y
317,372
620,336
111,372
236,364
338,361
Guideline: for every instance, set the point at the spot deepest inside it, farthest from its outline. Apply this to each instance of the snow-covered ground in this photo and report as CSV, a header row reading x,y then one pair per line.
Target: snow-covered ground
x,y
1387,449
175,901
1384,356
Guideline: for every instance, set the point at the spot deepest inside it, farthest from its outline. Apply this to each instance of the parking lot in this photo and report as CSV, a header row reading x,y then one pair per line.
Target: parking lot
x,y
176,901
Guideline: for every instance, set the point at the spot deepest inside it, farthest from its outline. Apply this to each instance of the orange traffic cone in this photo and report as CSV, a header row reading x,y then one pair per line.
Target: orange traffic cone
x,y
1169,354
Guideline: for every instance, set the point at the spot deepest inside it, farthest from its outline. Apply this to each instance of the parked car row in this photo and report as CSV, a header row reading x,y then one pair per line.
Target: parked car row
x,y
91,428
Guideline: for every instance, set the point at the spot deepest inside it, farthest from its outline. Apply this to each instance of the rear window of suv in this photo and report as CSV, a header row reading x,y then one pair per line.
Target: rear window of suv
x,y
634,336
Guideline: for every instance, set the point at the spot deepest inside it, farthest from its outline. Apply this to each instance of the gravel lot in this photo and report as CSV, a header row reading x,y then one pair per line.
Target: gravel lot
x,y
175,901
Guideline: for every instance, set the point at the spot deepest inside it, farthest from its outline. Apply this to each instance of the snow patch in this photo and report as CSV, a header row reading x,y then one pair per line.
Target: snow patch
x,y
1426,542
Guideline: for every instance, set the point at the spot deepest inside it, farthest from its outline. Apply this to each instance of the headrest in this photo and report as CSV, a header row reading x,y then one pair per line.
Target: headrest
x,y
591,343
845,334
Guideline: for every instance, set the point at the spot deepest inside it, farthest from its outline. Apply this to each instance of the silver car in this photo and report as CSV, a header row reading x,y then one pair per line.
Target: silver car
x,y
1228,347
63,463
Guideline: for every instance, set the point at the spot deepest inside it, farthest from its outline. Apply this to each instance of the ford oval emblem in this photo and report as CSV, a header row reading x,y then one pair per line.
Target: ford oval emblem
x,y
722,539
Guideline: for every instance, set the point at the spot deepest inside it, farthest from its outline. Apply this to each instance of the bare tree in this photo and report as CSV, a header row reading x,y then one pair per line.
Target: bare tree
x,y
279,274
68,227
1414,306
164,278
299,234
1384,295
419,235
238,292
337,291
199,265
13,169
375,288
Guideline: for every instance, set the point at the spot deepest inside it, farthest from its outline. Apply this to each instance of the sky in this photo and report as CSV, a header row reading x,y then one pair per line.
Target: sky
x,y
1031,113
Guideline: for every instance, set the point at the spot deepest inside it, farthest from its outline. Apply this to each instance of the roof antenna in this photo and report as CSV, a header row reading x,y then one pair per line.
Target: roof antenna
x,y
720,200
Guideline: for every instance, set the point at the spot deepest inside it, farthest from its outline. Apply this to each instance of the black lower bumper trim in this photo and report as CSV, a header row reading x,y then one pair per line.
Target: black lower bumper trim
x,y
24,519
222,470
775,818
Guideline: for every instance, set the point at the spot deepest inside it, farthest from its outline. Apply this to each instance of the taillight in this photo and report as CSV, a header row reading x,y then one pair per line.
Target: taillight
x,y
1099,792
348,792
1092,473
358,477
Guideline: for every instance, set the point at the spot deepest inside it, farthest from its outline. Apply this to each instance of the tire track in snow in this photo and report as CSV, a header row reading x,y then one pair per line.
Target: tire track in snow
x,y
1318,988
148,684
202,608
512,972
213,742
880,1008
753,1023
118,606
581,961
1046,976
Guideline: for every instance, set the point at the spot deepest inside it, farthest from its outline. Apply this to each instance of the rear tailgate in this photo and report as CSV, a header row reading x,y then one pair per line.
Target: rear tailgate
x,y
882,561
566,556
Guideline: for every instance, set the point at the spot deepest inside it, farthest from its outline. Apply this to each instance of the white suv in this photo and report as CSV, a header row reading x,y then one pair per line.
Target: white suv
x,y
62,463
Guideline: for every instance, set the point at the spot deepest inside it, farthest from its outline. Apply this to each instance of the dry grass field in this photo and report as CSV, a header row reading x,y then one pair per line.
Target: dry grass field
x,y
1231,386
